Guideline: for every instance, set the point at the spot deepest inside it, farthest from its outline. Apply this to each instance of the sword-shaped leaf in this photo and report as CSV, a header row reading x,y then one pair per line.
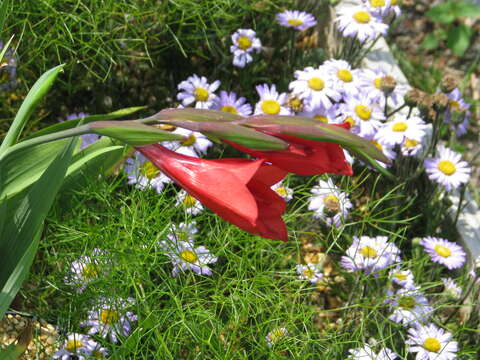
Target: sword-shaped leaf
x,y
197,115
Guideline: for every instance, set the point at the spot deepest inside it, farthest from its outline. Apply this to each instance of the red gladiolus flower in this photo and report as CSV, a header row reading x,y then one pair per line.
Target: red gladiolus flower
x,y
304,157
238,190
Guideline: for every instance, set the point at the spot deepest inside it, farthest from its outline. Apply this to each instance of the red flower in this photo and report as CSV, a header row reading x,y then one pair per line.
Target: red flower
x,y
303,157
238,190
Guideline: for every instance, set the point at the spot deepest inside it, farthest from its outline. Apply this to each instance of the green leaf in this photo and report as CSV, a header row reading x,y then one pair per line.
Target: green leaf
x,y
132,133
198,115
458,39
24,222
465,9
310,129
70,124
3,14
441,13
36,93
430,42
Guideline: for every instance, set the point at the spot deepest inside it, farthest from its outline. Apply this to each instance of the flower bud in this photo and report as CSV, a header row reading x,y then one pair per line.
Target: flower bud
x,y
388,84
440,101
413,97
448,83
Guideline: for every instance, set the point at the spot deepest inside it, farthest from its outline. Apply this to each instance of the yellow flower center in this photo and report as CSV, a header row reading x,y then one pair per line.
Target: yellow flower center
x,y
399,276
109,316
270,107
201,94
244,42
90,271
455,105
316,84
189,141
189,256
331,202
282,191
407,302
345,75
308,273
409,143
393,2
442,251
377,82
230,109
362,17
377,3
295,22
368,252
321,118
377,144
276,335
400,126
432,345
446,167
189,201
349,120
149,170
363,112
73,345
96,354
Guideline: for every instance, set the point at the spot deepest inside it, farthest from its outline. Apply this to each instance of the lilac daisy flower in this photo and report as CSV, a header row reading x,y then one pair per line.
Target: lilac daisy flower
x,y
451,289
431,343
271,102
299,20
347,80
397,130
359,23
447,169
189,204
365,114
320,113
402,278
370,254
409,306
275,336
310,272
444,252
182,231
87,269
284,191
244,41
228,102
110,320
367,353
195,144
144,174
197,90
77,346
185,256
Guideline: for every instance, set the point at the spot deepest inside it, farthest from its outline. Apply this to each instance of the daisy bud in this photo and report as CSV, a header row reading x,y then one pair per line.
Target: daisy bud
x,y
448,83
413,97
440,101
388,84
416,241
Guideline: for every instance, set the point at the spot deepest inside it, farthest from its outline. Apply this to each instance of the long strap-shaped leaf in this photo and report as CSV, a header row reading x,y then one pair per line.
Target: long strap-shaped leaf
x,y
23,219
36,93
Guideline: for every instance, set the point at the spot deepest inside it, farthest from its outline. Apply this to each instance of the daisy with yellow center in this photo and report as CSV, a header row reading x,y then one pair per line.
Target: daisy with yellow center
x,y
194,144
144,174
400,128
431,342
402,278
383,8
271,102
275,336
319,113
184,231
283,190
360,23
298,20
329,203
186,256
370,254
371,80
188,203
310,272
346,79
245,42
87,269
409,306
77,346
447,169
315,86
366,114
197,90
444,252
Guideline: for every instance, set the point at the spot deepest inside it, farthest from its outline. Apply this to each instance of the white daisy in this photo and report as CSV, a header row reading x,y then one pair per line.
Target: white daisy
x,y
190,205
87,269
370,254
365,114
185,256
310,272
403,278
316,86
327,116
431,343
195,144
197,90
228,102
144,174
110,320
396,131
347,80
271,102
447,169
329,203
77,346
371,83
367,353
299,20
386,149
411,147
444,252
284,191
451,289
182,231
409,306
358,22
244,41
383,8
275,336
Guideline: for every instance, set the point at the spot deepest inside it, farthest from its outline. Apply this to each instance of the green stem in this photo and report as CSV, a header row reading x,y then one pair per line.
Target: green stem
x,y
459,208
396,110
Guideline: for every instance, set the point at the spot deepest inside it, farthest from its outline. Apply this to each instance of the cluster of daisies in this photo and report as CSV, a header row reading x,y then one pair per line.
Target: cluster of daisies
x,y
109,318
